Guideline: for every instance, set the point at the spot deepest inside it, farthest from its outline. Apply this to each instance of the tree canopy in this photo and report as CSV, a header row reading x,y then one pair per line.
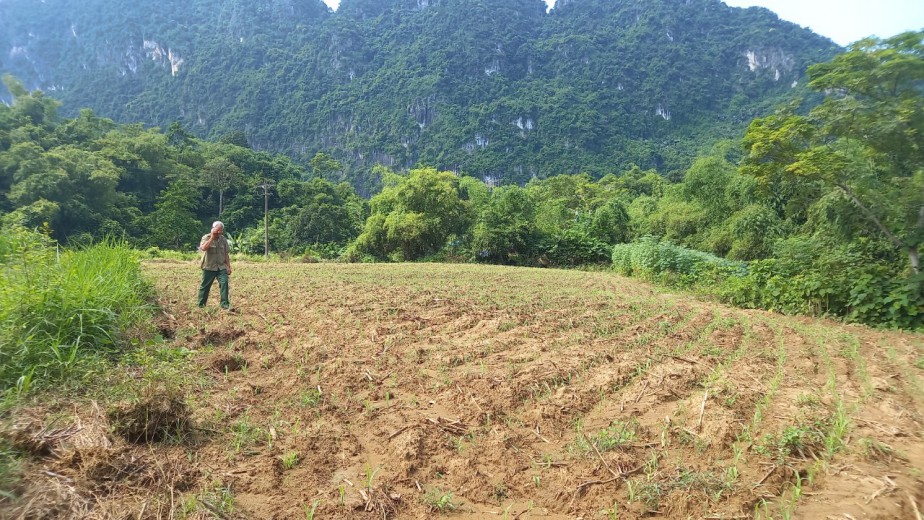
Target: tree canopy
x,y
866,139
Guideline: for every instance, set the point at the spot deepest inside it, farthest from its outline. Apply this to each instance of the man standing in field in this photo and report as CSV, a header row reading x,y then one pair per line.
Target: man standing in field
x,y
216,263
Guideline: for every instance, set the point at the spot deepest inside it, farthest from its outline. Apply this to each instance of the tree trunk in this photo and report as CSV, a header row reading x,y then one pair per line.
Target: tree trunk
x,y
896,241
221,202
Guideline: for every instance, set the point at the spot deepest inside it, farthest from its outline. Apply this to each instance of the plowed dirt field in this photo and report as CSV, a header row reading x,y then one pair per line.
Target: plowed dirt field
x,y
422,390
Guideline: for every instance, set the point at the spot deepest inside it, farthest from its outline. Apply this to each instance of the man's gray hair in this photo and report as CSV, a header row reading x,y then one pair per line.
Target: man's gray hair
x,y
218,223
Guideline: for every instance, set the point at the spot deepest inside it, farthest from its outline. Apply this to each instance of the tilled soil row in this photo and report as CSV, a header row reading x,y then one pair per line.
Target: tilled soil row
x,y
411,391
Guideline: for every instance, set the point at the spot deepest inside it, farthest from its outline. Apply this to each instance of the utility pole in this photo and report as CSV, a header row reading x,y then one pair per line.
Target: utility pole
x,y
267,184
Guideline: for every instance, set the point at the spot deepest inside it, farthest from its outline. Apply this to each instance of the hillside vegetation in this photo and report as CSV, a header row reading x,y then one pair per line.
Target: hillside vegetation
x,y
498,89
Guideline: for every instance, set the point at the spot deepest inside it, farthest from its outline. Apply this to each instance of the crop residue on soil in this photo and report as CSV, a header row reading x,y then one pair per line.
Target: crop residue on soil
x,y
419,390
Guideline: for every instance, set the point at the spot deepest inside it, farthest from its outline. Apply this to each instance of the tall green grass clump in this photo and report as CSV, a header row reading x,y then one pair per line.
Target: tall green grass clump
x,y
61,310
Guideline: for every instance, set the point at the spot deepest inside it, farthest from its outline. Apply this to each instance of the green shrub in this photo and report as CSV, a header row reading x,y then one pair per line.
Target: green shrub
x,y
156,253
324,251
505,232
610,223
887,301
856,281
574,247
806,275
60,309
655,259
352,254
748,234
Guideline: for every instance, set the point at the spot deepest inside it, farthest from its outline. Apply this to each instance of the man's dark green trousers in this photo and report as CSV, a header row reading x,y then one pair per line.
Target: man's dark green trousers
x,y
208,277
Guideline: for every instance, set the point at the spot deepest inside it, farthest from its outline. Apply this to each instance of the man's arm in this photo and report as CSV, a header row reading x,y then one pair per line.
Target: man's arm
x,y
228,261
204,244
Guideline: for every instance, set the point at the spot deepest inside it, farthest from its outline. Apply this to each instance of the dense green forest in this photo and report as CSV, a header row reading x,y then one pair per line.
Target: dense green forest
x,y
86,178
497,89
812,212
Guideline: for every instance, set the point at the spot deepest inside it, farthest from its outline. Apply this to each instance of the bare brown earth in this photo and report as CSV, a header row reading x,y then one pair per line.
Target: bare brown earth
x,y
419,391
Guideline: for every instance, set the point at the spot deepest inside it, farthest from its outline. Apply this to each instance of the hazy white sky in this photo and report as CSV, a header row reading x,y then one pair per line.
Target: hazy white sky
x,y
844,21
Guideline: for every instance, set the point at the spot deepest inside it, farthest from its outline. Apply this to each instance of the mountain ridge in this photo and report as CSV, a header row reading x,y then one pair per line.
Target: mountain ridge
x,y
499,89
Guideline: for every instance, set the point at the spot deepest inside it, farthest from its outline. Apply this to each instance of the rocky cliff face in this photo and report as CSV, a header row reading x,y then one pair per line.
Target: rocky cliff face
x,y
499,88
58,39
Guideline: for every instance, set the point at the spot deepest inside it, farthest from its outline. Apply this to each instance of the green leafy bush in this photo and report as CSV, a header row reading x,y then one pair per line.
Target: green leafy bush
x,y
506,232
655,259
856,281
574,247
751,232
414,216
877,298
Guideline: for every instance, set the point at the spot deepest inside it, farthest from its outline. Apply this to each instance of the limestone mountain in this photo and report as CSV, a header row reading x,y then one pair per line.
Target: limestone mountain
x,y
500,89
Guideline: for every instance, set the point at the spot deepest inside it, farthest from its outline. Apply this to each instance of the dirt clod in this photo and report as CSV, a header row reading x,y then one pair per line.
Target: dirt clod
x,y
228,363
155,418
219,336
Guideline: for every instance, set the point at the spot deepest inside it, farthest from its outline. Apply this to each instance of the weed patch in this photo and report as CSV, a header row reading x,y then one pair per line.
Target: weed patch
x,y
440,501
804,441
62,314
613,437
10,466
